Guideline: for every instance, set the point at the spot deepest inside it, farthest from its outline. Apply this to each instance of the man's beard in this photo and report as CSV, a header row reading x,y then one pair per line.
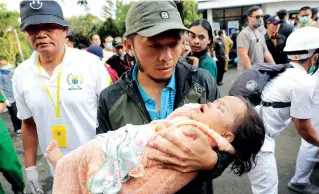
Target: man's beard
x,y
156,80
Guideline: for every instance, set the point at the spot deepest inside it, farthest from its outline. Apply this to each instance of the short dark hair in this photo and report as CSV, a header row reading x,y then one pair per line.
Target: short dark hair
x,y
266,17
250,134
304,9
314,11
220,32
71,38
252,9
282,14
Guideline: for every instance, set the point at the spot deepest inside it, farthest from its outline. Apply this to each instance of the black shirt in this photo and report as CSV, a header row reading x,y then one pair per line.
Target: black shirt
x,y
119,65
277,52
219,48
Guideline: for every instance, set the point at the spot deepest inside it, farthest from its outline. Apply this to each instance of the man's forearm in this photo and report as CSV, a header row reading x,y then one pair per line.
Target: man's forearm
x,y
269,58
310,136
30,142
246,61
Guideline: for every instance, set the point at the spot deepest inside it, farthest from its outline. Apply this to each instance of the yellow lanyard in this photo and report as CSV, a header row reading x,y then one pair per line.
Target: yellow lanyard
x,y
56,105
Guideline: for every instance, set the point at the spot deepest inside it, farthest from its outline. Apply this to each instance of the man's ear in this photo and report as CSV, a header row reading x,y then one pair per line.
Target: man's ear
x,y
129,47
229,136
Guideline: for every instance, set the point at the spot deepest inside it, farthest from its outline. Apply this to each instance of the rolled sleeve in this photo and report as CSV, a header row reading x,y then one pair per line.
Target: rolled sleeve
x,y
243,40
302,101
24,111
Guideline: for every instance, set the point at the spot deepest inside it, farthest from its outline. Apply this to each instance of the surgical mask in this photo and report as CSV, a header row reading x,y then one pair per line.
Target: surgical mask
x,y
258,23
109,46
304,19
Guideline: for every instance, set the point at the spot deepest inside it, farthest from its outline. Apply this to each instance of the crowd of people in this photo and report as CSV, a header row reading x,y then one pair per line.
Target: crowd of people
x,y
115,116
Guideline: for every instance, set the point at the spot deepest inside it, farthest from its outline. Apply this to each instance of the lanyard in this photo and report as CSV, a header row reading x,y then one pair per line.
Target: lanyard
x,y
56,105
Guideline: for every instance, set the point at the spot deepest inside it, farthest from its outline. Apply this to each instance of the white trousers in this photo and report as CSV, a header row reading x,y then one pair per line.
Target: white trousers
x,y
303,166
264,177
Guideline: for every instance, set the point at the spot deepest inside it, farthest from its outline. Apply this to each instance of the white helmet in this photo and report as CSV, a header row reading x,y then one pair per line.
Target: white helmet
x,y
302,43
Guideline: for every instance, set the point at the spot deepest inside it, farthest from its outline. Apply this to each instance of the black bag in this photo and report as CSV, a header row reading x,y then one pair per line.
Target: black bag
x,y
251,83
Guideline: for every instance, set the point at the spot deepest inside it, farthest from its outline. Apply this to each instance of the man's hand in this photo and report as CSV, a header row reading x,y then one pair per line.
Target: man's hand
x,y
195,155
33,180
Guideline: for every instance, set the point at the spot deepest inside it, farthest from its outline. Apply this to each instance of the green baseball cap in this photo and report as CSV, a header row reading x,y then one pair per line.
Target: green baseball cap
x,y
149,18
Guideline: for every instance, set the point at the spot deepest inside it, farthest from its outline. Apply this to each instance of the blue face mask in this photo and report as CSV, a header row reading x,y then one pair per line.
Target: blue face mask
x,y
304,20
109,46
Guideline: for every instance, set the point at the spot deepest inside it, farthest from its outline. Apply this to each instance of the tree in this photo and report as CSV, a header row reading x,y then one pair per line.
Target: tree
x,y
107,9
108,28
189,12
120,14
9,45
84,26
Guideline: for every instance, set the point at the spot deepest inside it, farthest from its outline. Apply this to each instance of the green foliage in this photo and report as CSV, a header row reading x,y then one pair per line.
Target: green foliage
x,y
189,12
9,45
107,9
108,28
120,14
84,26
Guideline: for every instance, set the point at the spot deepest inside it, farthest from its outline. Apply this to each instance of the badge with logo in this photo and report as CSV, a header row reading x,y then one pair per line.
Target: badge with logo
x,y
75,80
164,15
36,4
251,85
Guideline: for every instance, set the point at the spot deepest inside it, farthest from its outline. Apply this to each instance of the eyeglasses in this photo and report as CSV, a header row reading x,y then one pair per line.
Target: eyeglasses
x,y
257,16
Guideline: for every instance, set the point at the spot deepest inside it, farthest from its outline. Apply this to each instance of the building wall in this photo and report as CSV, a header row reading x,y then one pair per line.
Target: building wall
x,y
272,8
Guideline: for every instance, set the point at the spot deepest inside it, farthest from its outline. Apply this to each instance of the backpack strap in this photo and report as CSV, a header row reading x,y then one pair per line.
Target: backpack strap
x,y
276,104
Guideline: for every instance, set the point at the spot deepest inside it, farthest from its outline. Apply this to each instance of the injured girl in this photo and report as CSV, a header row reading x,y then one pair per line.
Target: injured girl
x,y
117,162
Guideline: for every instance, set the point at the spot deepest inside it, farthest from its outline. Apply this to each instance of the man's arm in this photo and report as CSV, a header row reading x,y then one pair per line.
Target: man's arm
x,y
307,131
103,118
29,141
243,44
243,56
269,58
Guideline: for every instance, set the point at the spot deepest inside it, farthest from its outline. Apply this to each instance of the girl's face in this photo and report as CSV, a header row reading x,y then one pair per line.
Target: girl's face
x,y
200,40
221,115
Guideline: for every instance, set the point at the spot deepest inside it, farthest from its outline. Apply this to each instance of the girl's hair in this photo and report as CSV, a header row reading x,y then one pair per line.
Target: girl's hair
x,y
249,134
205,24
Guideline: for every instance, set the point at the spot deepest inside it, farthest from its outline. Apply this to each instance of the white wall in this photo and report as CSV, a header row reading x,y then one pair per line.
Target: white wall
x,y
273,8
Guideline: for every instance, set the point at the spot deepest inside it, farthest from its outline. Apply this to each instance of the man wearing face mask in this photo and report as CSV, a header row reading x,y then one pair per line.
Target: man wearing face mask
x,y
285,98
304,17
275,41
120,61
251,44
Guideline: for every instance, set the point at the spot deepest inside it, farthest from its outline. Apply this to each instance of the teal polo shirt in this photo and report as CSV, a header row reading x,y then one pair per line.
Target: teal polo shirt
x,y
167,98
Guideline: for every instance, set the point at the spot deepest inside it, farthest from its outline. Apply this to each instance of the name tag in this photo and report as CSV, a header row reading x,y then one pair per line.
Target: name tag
x,y
59,134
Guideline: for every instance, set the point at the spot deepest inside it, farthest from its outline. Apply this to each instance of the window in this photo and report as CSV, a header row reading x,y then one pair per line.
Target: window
x,y
233,12
218,13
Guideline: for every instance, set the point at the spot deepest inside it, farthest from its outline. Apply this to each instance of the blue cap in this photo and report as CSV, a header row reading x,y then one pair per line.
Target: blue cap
x,y
273,20
96,50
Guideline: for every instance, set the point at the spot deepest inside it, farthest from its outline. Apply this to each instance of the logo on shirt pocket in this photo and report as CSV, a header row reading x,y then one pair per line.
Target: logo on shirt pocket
x,y
75,80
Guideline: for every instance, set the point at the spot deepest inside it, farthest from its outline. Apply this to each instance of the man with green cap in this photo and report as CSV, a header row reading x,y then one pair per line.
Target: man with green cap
x,y
157,84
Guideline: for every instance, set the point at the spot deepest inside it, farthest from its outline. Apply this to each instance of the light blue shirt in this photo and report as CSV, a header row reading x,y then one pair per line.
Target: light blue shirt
x,y
6,83
167,98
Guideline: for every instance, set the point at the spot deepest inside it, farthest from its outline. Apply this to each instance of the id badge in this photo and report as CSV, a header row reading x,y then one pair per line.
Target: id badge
x,y
59,134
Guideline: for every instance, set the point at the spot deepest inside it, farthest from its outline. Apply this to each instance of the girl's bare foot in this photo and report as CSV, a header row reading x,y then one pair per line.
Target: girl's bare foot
x,y
54,154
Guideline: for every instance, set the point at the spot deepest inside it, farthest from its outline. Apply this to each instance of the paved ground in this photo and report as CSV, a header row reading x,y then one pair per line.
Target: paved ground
x,y
287,145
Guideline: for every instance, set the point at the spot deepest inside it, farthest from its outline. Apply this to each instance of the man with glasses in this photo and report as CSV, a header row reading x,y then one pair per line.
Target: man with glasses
x,y
251,44
56,89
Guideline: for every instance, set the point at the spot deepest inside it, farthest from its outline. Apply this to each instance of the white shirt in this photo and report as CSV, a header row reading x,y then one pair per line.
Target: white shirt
x,y
83,77
295,86
315,117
